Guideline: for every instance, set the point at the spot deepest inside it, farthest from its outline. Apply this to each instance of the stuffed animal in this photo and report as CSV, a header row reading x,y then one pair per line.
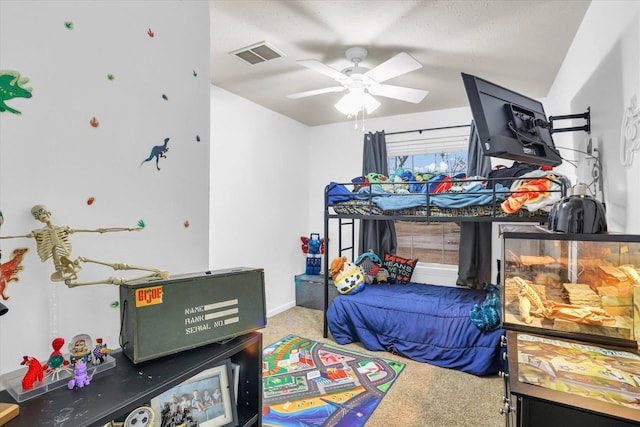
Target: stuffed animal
x,y
401,178
347,277
377,179
398,181
370,265
382,276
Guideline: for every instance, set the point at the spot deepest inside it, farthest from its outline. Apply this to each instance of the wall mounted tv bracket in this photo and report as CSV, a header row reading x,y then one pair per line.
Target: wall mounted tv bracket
x,y
526,126
586,116
591,150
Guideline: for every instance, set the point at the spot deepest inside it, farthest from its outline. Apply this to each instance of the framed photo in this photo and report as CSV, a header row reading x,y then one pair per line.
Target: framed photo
x,y
206,400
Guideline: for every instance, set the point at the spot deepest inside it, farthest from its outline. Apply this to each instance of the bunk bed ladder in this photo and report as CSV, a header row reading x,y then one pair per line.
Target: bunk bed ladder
x,y
342,222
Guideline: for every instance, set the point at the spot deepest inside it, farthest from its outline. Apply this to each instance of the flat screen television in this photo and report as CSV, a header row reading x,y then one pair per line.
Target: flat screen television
x,y
510,125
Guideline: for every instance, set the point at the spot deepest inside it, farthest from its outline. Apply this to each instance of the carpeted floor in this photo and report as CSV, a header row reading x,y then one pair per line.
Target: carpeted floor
x,y
423,396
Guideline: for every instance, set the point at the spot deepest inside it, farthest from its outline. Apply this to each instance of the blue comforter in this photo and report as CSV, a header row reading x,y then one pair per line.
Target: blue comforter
x,y
426,323
473,194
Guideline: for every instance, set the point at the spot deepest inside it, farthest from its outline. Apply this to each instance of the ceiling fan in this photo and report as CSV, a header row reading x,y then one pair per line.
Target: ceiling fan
x,y
362,82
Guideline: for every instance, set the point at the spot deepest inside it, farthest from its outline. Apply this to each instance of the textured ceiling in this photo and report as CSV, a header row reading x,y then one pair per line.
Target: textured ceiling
x,y
516,44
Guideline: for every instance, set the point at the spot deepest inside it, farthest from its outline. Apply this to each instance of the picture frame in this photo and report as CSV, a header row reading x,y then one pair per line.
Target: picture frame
x,y
207,400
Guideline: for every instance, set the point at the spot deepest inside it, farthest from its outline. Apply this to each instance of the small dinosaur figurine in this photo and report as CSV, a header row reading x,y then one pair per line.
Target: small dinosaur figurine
x,y
157,152
11,87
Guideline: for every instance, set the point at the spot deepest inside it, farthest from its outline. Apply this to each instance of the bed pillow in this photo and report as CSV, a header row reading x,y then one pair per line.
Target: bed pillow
x,y
400,269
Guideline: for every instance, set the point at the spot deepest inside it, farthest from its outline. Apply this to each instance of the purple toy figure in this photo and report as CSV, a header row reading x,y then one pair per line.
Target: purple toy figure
x,y
80,377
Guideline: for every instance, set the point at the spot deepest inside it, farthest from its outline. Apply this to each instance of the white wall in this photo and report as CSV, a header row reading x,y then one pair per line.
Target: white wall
x,y
258,161
50,154
602,70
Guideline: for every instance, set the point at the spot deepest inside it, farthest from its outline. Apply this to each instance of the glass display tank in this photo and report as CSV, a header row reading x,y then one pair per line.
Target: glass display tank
x,y
580,286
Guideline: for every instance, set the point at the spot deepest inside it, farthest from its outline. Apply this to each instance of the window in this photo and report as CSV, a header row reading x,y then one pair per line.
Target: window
x,y
441,151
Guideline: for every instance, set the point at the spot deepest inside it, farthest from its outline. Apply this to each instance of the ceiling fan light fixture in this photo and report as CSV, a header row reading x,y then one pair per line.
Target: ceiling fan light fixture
x,y
355,101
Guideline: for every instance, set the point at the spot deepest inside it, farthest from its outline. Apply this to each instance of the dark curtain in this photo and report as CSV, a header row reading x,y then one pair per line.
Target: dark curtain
x,y
474,262
378,236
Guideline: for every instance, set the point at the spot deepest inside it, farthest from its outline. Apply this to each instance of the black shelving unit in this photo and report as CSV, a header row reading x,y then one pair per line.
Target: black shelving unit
x,y
120,390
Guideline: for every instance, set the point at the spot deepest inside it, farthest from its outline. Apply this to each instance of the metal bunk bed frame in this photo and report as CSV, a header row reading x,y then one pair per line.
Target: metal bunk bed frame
x,y
349,220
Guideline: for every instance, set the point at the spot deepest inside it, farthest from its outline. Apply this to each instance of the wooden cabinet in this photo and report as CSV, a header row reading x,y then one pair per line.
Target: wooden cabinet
x,y
126,387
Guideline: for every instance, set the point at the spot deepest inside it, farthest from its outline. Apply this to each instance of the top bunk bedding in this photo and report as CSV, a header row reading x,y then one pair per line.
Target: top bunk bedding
x,y
527,197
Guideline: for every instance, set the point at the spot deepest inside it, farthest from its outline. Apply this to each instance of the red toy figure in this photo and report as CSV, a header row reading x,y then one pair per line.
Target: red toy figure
x,y
34,372
56,362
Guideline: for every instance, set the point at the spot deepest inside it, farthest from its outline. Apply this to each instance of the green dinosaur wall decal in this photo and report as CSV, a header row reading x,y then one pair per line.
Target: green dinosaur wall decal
x,y
11,86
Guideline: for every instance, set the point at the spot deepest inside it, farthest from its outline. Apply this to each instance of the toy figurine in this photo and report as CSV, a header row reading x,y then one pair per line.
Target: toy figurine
x,y
56,362
313,246
53,242
80,376
100,352
80,348
34,372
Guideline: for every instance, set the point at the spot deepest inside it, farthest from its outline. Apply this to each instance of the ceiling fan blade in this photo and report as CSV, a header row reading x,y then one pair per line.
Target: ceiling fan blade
x,y
316,92
399,92
400,64
315,65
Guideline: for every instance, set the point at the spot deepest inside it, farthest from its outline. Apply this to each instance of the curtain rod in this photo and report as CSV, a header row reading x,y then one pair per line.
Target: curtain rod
x,y
429,129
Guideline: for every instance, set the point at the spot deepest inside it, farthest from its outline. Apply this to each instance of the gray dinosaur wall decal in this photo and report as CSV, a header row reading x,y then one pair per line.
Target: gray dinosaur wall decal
x,y
157,152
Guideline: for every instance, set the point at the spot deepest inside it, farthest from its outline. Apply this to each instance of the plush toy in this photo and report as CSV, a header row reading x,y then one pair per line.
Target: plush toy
x,y
407,175
359,182
379,180
346,276
382,276
370,265
398,181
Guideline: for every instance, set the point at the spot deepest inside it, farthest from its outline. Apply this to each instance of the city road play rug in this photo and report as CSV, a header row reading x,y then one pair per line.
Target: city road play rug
x,y
310,383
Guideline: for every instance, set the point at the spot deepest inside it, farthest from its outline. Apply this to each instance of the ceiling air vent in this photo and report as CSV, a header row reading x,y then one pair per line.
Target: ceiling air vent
x,y
257,53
